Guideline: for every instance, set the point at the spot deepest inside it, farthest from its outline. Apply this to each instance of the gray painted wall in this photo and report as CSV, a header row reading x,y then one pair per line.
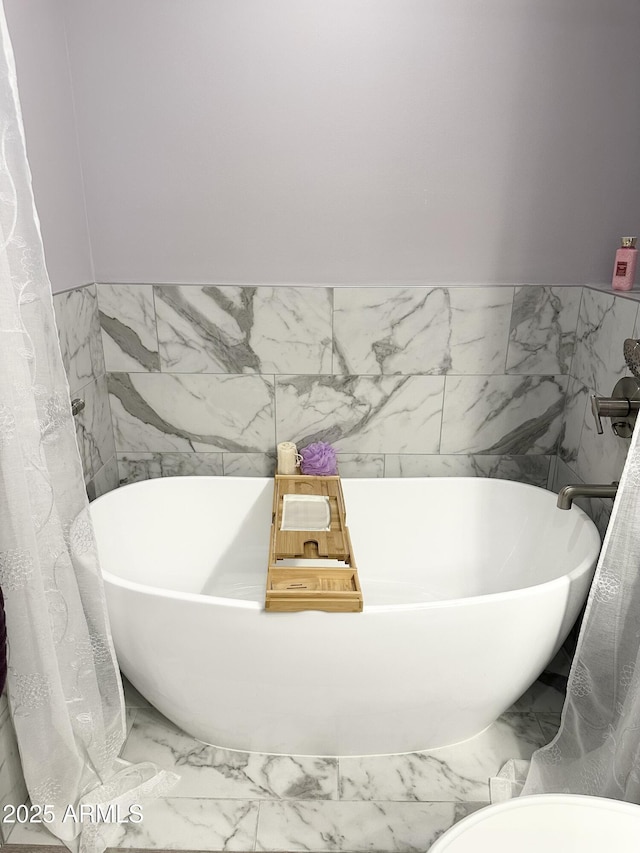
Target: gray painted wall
x,y
37,32
357,141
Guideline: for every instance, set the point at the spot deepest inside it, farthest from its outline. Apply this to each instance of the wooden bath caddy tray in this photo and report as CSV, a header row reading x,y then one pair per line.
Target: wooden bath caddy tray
x,y
311,586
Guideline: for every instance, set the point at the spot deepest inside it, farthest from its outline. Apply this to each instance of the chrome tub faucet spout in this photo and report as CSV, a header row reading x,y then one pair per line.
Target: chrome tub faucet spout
x,y
568,494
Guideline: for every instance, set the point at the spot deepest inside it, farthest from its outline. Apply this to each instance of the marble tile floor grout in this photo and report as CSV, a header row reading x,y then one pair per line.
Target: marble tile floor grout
x,y
244,802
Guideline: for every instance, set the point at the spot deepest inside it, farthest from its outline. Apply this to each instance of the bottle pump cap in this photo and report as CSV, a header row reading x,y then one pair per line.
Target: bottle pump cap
x,y
629,242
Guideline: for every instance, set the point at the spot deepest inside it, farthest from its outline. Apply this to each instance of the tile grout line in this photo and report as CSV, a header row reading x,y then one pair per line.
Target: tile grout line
x,y
509,331
253,845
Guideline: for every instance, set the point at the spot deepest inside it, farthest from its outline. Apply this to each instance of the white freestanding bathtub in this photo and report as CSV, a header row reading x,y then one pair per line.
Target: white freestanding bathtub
x,y
470,586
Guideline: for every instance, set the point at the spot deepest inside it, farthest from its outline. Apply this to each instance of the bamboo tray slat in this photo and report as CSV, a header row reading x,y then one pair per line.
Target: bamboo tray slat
x,y
312,587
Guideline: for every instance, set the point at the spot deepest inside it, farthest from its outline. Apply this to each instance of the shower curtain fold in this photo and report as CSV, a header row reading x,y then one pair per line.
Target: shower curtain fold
x,y
597,748
64,687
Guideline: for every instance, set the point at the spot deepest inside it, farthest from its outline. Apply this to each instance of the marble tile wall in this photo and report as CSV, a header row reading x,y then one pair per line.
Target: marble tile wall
x,y
82,353
404,381
605,320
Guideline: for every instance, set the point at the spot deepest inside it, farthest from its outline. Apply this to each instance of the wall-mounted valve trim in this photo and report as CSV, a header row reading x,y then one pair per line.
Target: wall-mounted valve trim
x,y
622,407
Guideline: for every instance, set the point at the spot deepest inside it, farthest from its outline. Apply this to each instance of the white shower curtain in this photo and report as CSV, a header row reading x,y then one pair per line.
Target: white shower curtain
x,y
597,748
64,687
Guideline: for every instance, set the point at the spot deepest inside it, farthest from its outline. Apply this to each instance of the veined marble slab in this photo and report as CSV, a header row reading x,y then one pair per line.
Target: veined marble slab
x,y
604,322
166,412
210,771
502,414
193,824
359,827
532,468
106,478
431,330
127,317
600,457
360,464
171,823
454,773
543,329
94,430
233,329
249,464
134,467
79,333
576,411
361,414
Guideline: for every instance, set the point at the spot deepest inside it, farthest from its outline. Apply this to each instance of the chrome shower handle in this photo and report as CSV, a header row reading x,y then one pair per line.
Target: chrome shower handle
x,y
619,407
595,408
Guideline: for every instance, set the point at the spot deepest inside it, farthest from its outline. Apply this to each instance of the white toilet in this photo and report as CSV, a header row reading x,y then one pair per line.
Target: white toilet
x,y
547,823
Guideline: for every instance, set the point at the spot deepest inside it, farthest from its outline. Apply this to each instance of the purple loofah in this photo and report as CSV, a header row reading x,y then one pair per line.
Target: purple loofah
x,y
318,459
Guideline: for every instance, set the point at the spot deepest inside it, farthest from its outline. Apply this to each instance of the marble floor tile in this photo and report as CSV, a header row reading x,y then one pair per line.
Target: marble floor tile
x,y
549,723
172,823
561,664
454,773
357,827
192,824
132,698
13,791
546,694
33,835
130,715
209,771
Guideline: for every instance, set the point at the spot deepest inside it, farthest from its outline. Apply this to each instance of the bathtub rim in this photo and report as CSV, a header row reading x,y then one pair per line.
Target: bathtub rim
x,y
242,604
